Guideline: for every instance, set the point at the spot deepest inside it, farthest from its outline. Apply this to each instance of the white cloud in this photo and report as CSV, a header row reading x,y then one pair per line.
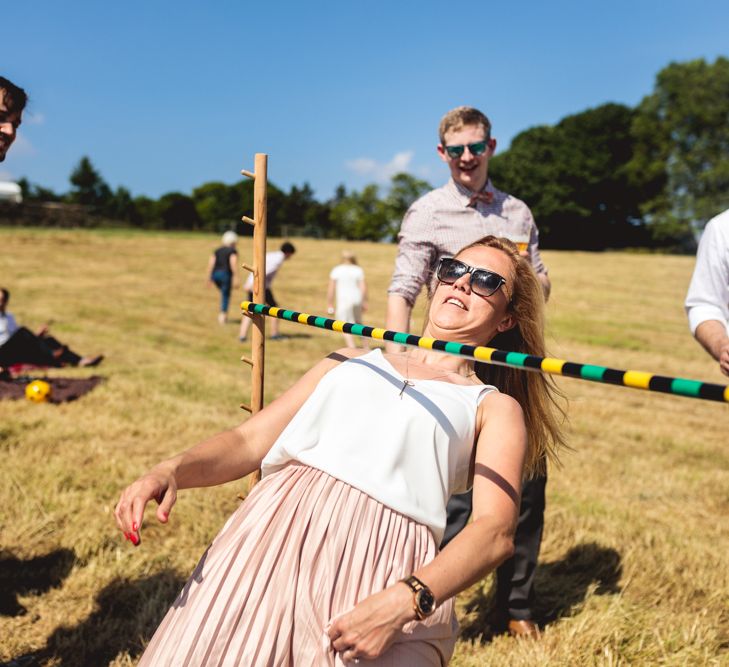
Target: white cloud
x,y
381,172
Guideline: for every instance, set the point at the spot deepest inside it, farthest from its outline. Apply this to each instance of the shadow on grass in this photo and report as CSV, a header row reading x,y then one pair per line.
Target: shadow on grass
x,y
561,587
126,614
34,576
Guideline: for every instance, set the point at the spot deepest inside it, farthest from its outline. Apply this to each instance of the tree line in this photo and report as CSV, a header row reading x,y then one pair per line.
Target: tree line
x,y
608,177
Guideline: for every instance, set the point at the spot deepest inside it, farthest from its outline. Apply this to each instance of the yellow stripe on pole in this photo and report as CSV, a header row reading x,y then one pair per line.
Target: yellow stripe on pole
x,y
338,325
638,379
426,343
552,365
483,353
275,311
301,319
378,333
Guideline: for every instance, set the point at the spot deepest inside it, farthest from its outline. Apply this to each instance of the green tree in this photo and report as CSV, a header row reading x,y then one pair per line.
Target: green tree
x,y
574,177
361,216
404,190
178,211
682,134
219,205
88,188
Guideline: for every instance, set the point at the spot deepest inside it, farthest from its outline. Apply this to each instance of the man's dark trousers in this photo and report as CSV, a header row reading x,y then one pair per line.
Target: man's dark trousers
x,y
515,576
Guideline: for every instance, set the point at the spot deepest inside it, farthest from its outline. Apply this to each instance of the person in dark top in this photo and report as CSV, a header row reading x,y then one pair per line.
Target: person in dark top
x,y
222,270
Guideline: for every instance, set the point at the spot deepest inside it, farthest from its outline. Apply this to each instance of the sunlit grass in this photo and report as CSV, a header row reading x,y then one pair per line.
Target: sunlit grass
x,y
633,567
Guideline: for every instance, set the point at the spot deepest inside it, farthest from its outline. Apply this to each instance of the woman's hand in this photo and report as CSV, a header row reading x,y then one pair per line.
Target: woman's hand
x,y
367,631
158,484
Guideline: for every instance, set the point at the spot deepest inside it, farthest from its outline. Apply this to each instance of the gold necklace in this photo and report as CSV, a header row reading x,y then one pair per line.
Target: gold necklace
x,y
407,382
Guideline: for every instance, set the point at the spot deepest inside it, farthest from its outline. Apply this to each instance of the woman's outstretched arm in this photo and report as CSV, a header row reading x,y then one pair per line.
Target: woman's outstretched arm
x,y
222,458
479,548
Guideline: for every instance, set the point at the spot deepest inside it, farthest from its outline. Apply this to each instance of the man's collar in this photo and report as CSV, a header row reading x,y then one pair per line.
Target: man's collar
x,y
466,194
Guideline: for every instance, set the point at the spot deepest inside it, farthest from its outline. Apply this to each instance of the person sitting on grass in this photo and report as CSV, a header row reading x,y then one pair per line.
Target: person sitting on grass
x,y
19,345
333,557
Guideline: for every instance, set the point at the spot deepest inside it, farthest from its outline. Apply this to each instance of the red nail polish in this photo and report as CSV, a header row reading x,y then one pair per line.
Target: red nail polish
x,y
126,536
135,527
134,539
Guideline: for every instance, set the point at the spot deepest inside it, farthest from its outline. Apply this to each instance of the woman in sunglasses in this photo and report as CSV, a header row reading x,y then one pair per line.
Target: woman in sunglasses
x,y
333,557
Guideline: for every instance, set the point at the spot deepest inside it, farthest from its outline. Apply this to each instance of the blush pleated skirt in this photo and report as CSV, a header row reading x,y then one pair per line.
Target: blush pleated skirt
x,y
303,548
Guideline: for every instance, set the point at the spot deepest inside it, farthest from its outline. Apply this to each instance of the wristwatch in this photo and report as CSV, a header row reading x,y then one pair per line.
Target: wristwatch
x,y
423,598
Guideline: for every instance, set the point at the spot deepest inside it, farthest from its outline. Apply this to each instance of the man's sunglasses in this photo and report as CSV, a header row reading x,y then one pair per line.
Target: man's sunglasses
x,y
479,148
483,282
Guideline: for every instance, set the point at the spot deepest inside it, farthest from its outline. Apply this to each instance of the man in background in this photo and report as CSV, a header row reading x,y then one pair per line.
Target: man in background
x,y
467,208
707,301
12,102
274,261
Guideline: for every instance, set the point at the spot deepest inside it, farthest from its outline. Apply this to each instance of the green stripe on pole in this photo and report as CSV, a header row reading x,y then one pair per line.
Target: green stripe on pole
x,y
676,386
594,373
516,358
686,387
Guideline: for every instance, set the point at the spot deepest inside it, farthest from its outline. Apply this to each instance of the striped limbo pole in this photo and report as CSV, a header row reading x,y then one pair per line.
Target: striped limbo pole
x,y
635,379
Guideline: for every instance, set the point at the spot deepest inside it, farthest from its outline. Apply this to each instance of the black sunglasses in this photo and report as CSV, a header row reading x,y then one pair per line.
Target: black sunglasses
x,y
479,148
483,281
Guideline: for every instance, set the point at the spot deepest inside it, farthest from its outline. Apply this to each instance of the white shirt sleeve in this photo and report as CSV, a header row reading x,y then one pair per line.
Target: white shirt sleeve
x,y
708,293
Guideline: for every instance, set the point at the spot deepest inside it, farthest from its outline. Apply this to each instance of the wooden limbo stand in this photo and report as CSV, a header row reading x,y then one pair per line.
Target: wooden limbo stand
x,y
258,330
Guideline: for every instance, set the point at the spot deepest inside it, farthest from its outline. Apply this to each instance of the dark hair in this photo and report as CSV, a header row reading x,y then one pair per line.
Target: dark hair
x,y
288,248
5,293
15,97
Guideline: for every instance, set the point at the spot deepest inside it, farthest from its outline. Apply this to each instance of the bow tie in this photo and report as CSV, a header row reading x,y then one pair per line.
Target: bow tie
x,y
485,196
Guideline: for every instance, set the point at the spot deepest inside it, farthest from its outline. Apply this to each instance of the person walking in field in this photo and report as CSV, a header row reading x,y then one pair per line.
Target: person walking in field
x,y
348,289
222,271
274,261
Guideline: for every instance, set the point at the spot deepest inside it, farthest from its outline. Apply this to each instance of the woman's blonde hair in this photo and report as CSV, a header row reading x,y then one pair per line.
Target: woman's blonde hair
x,y
348,257
230,238
536,392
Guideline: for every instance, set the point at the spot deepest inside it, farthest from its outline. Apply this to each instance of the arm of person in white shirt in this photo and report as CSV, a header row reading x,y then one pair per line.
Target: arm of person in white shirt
x,y
706,300
712,335
479,548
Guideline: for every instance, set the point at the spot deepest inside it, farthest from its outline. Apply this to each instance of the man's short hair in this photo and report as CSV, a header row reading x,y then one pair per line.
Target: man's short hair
x,y
287,248
460,117
5,293
15,97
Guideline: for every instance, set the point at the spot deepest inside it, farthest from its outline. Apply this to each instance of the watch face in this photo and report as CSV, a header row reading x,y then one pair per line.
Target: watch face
x,y
426,601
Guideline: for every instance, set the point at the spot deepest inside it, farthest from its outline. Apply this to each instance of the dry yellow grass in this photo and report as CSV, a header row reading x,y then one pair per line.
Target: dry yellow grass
x,y
633,569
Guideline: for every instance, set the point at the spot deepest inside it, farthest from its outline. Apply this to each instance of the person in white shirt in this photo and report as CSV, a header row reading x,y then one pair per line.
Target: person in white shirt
x,y
348,289
707,301
274,260
333,557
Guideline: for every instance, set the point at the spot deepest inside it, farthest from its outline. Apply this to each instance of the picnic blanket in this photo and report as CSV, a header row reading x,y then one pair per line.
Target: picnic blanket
x,y
62,389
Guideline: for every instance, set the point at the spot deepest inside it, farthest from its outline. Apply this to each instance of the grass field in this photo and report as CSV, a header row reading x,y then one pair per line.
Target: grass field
x,y
634,564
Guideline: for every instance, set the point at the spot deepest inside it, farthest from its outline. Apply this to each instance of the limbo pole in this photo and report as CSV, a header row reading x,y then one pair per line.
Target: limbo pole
x,y
258,330
528,362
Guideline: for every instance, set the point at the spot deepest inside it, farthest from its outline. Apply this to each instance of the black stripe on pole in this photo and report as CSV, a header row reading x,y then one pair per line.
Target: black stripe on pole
x,y
613,376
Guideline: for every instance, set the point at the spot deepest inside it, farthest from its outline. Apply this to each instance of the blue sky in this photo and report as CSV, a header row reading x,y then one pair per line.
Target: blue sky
x,y
164,96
